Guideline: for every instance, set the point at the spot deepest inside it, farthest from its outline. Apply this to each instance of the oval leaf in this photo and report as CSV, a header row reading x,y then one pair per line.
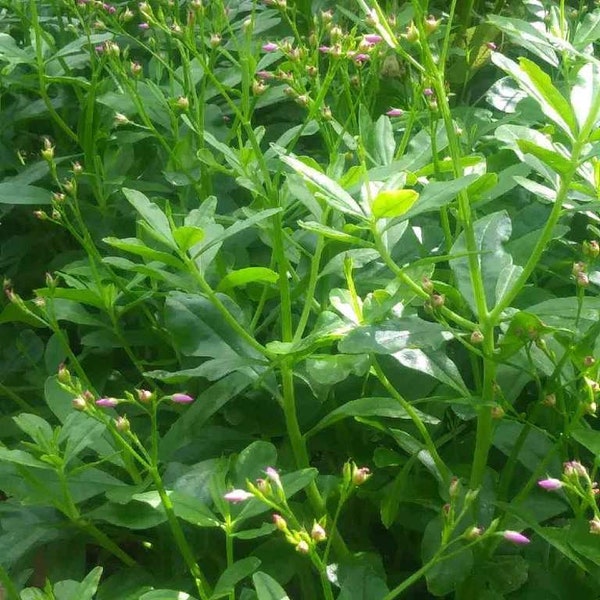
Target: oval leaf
x,y
393,203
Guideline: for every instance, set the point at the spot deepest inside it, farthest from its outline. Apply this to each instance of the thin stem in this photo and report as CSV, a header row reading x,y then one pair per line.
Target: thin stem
x,y
418,423
180,539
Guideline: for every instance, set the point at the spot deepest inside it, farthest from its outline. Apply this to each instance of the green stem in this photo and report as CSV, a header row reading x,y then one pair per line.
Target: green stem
x,y
483,438
414,416
180,539
544,238
39,58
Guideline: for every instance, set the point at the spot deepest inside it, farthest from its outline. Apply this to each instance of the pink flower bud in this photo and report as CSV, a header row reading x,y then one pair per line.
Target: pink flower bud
x,y
273,475
491,46
373,38
144,26
515,537
395,112
145,396
107,402
280,522
270,47
428,92
236,496
574,468
180,398
318,534
550,484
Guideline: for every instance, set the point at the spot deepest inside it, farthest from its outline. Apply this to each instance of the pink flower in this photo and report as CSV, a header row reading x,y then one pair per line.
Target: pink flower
x,y
144,26
324,49
550,484
264,75
395,112
515,537
373,38
428,92
107,402
270,47
273,475
361,58
236,496
574,468
491,46
180,398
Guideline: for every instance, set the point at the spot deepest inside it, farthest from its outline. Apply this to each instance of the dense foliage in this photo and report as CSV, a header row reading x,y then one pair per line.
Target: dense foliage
x,y
301,298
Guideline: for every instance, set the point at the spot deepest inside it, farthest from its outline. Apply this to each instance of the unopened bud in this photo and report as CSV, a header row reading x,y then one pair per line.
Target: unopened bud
x,y
591,248
302,547
79,403
215,40
497,412
473,533
412,34
40,214
582,279
77,168
431,24
63,374
122,424
47,150
438,300
135,69
318,534
360,475
183,103
589,360
145,396
550,400
280,522
595,526
258,88
476,337
454,487
427,285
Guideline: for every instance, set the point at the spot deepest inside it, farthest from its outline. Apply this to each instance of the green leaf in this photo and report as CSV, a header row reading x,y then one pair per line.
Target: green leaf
x,y
331,233
393,203
331,369
247,275
526,35
394,335
538,86
17,193
188,236
585,96
138,248
589,438
233,575
185,429
198,329
87,588
553,159
267,588
331,192
368,407
438,194
496,265
588,30
166,595
38,429
252,462
434,363
20,457
446,575
153,216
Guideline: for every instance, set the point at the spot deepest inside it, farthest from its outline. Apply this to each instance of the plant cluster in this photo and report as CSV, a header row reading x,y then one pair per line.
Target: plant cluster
x,y
300,299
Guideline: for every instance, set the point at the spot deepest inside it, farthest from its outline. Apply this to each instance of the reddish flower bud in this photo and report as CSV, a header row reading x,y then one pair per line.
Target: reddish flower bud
x,y
180,398
515,537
